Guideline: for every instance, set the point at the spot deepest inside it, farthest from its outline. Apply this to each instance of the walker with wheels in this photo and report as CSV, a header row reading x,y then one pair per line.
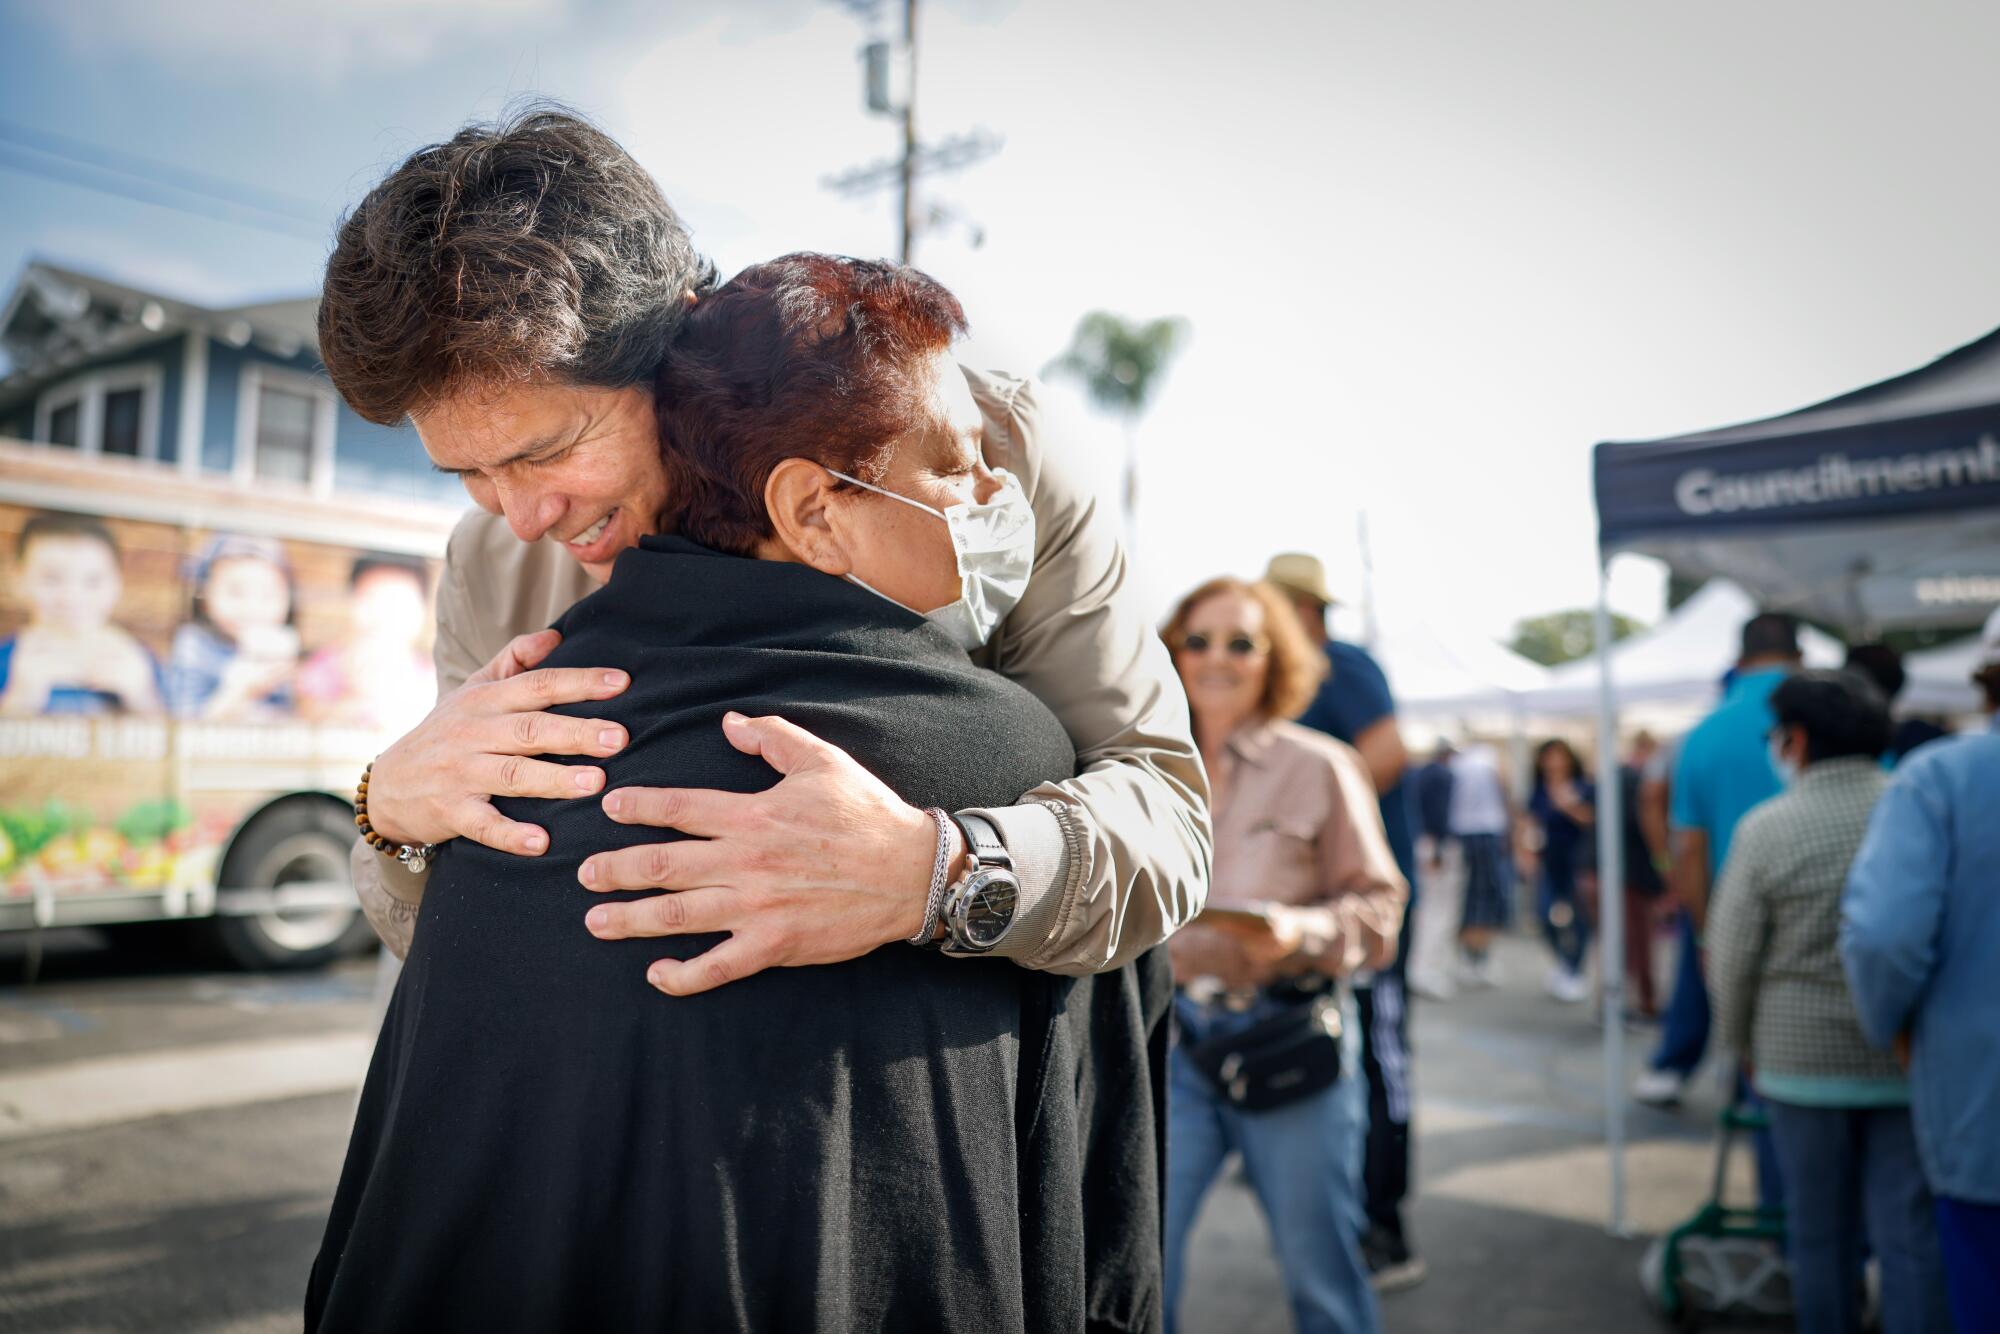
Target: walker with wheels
x,y
1726,1259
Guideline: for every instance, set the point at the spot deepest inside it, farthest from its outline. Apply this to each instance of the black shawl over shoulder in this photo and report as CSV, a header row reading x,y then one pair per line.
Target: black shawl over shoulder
x,y
900,1142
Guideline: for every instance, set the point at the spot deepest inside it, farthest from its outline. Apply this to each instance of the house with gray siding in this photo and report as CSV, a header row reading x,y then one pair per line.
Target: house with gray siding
x,y
236,393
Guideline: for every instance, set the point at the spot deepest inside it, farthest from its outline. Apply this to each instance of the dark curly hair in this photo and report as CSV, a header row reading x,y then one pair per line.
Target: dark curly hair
x,y
531,247
1842,712
809,356
1558,746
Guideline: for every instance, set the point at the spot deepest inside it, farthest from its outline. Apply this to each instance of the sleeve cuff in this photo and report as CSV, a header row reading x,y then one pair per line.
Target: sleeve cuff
x,y
389,896
1038,841
397,880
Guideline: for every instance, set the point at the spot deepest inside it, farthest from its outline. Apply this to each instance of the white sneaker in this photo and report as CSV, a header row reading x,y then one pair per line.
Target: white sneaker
x,y
1658,1088
1478,973
1437,987
1567,987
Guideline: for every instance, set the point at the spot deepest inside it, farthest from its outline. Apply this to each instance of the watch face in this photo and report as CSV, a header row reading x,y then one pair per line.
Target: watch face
x,y
987,908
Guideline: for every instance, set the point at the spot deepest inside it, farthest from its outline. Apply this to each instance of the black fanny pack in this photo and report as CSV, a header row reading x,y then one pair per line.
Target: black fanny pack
x,y
1282,1059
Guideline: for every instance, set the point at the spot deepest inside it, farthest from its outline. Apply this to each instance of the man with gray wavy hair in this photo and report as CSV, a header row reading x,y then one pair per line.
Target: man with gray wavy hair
x,y
510,292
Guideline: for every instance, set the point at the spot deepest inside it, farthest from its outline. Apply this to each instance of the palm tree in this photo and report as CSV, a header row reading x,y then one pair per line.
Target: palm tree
x,y
1121,363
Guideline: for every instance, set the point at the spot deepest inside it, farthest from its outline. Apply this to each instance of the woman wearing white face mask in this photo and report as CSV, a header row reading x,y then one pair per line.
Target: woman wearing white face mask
x,y
898,1141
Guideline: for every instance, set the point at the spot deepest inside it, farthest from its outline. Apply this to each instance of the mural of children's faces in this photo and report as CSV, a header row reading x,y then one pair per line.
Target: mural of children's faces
x,y
71,580
388,605
70,657
246,594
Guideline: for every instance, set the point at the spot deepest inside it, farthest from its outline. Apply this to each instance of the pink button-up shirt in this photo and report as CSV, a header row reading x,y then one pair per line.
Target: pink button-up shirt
x,y
1297,822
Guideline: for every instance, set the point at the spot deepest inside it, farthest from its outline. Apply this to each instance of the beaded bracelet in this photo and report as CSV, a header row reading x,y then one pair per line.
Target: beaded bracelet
x,y
940,870
415,856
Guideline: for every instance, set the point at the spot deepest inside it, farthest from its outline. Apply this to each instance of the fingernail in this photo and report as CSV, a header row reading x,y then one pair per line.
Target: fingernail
x,y
587,780
614,679
587,873
734,717
611,738
597,919
657,976
614,803
535,841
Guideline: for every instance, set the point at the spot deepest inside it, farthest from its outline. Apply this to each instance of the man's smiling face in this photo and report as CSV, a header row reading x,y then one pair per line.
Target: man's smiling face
x,y
577,466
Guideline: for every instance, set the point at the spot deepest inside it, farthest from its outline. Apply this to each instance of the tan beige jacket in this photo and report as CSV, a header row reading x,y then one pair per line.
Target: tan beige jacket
x,y
1111,861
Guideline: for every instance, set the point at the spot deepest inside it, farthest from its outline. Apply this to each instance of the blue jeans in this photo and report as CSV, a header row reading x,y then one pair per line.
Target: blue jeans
x,y
1969,1236
1303,1161
1569,939
1852,1180
1684,1027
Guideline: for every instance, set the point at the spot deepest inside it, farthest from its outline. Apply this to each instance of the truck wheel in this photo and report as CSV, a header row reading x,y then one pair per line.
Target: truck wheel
x,y
295,843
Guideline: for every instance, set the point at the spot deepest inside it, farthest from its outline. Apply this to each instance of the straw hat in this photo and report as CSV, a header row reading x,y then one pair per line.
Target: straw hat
x,y
1296,572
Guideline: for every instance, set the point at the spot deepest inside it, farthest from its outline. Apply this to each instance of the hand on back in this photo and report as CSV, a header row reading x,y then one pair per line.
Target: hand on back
x,y
480,741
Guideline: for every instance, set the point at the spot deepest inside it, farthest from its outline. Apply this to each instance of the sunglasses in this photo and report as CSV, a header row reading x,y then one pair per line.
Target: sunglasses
x,y
1237,646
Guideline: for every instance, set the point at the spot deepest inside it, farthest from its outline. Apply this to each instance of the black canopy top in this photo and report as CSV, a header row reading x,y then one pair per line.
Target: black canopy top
x,y
1880,507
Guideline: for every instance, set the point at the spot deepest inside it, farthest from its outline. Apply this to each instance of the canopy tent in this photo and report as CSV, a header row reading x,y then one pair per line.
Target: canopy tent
x,y
1436,674
1940,679
1679,661
1875,510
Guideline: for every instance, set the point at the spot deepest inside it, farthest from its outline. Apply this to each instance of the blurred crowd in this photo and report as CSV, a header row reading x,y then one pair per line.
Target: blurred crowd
x,y
1825,873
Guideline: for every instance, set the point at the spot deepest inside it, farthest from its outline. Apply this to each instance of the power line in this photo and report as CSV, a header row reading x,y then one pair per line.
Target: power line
x,y
90,179
172,175
184,199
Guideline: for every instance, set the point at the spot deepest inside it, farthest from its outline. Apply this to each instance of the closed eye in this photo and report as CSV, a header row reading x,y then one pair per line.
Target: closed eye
x,y
548,459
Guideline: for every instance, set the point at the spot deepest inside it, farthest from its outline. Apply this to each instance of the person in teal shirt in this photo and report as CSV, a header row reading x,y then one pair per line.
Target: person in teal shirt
x,y
1723,770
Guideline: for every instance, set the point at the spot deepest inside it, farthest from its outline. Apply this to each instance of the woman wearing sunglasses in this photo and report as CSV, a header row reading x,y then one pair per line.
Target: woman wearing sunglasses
x,y
1304,892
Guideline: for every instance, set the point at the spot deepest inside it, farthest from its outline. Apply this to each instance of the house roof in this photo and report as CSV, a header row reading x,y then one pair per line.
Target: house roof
x,y
58,319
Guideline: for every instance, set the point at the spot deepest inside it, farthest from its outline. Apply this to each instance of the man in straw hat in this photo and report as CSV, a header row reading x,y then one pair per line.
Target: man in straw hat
x,y
1355,706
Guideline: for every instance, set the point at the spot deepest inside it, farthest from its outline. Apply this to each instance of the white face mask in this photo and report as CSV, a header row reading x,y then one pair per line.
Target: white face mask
x,y
1787,770
994,543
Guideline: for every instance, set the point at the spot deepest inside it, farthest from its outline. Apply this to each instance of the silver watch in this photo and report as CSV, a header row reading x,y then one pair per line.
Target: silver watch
x,y
978,911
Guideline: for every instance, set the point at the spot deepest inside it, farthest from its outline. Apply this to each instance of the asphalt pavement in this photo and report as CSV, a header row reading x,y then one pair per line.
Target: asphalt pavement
x,y
170,1137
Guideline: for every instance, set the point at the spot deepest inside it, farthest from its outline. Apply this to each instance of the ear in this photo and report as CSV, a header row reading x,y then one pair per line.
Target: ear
x,y
798,497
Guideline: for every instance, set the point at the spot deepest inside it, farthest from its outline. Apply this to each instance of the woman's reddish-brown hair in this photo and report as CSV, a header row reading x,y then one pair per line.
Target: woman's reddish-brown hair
x,y
1297,664
809,356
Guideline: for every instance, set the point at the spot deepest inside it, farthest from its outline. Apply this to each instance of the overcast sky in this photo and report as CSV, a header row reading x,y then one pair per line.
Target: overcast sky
x,y
1430,252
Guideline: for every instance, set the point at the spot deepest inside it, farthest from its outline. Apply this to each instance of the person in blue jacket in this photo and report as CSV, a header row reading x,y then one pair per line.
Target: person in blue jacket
x,y
1920,938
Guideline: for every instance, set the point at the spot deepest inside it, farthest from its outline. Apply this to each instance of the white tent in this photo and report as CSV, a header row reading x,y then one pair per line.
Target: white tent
x,y
1437,674
1679,661
1940,679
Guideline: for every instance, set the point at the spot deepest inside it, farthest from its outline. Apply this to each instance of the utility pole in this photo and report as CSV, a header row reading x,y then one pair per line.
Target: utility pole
x,y
916,158
1369,630
907,169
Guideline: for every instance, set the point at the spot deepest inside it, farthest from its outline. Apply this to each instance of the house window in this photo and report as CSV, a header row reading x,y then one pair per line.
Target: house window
x,y
124,413
284,429
66,424
104,412
284,436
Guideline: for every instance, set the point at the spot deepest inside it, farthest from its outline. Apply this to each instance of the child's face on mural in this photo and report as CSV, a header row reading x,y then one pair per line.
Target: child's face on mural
x,y
388,605
71,581
245,594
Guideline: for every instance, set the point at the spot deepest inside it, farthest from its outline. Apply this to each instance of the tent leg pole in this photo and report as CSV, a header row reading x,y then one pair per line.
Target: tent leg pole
x,y
1611,900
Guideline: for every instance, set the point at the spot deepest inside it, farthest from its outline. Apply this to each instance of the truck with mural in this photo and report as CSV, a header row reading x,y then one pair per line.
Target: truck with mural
x,y
192,677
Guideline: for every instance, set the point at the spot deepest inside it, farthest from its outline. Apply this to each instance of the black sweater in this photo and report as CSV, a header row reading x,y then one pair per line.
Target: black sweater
x,y
902,1141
